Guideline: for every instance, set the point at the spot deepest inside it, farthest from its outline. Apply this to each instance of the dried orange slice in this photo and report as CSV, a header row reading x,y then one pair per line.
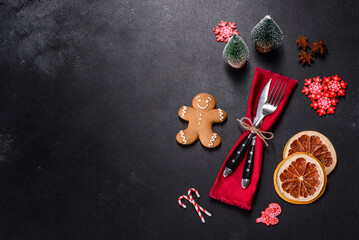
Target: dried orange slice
x,y
316,145
300,179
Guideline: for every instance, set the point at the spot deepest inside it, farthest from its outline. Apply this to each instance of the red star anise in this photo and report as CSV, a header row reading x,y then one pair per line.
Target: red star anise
x,y
305,57
303,42
319,47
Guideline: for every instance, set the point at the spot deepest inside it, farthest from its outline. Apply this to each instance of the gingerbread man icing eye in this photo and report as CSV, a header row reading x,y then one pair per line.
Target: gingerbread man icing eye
x,y
199,100
207,101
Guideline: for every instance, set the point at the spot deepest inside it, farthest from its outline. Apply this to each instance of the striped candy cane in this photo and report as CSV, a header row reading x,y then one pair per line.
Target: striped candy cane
x,y
198,211
196,206
191,198
193,190
180,200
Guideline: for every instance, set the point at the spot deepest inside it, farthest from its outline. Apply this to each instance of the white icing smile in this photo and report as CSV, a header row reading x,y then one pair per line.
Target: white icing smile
x,y
202,107
199,100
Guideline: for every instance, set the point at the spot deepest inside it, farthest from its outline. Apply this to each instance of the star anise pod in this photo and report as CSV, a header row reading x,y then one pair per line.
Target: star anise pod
x,y
319,47
305,57
303,42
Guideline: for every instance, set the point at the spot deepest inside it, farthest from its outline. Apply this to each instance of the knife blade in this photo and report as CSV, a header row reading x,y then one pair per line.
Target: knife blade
x,y
262,100
235,158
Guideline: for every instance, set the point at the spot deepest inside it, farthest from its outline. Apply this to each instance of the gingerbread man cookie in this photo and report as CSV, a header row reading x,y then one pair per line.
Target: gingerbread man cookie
x,y
200,119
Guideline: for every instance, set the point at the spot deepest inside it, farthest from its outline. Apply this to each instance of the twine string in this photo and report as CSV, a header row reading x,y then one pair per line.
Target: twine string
x,y
262,134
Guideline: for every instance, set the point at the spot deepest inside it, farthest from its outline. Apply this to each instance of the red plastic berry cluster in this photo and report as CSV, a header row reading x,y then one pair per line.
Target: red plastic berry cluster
x,y
324,93
225,31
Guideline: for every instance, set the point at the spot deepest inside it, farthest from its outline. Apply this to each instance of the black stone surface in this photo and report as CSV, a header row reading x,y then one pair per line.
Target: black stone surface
x,y
89,94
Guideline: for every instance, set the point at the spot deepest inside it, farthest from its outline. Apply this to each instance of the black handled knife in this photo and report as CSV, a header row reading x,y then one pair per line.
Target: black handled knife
x,y
236,156
248,165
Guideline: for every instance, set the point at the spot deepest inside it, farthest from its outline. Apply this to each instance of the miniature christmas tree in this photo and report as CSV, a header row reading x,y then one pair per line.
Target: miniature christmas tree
x,y
236,52
267,35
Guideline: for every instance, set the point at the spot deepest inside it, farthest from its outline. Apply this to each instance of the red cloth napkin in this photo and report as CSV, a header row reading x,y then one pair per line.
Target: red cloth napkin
x,y
229,190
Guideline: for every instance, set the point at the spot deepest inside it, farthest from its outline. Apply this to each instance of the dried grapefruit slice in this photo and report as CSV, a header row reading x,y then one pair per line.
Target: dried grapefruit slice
x,y
300,179
316,145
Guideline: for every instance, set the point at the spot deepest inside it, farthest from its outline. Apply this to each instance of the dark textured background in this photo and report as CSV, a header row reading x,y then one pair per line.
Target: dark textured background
x,y
89,95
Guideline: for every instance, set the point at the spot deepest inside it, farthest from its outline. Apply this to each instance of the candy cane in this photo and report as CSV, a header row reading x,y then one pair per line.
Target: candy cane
x,y
194,203
193,190
190,199
180,200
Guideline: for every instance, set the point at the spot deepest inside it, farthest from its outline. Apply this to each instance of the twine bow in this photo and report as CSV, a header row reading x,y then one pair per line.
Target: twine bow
x,y
250,127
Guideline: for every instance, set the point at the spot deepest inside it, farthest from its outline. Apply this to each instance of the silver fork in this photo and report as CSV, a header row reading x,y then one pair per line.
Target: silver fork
x,y
269,107
272,102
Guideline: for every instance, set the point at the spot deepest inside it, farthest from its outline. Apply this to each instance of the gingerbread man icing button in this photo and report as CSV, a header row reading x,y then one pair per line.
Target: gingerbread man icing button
x,y
201,117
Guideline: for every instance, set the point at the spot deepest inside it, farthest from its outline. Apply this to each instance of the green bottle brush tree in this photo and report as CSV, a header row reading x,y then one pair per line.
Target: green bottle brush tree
x,y
267,35
235,52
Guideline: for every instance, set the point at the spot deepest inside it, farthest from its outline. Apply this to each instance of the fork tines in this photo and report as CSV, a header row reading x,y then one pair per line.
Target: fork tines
x,y
275,98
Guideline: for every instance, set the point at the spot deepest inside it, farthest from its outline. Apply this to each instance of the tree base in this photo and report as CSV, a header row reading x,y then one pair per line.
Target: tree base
x,y
263,49
238,65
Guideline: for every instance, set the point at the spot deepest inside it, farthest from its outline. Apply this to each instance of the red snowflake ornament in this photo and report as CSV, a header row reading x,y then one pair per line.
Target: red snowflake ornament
x,y
317,79
321,112
314,105
269,215
334,101
331,110
305,90
315,89
324,93
225,31
326,80
336,78
307,82
324,103
334,86
343,84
